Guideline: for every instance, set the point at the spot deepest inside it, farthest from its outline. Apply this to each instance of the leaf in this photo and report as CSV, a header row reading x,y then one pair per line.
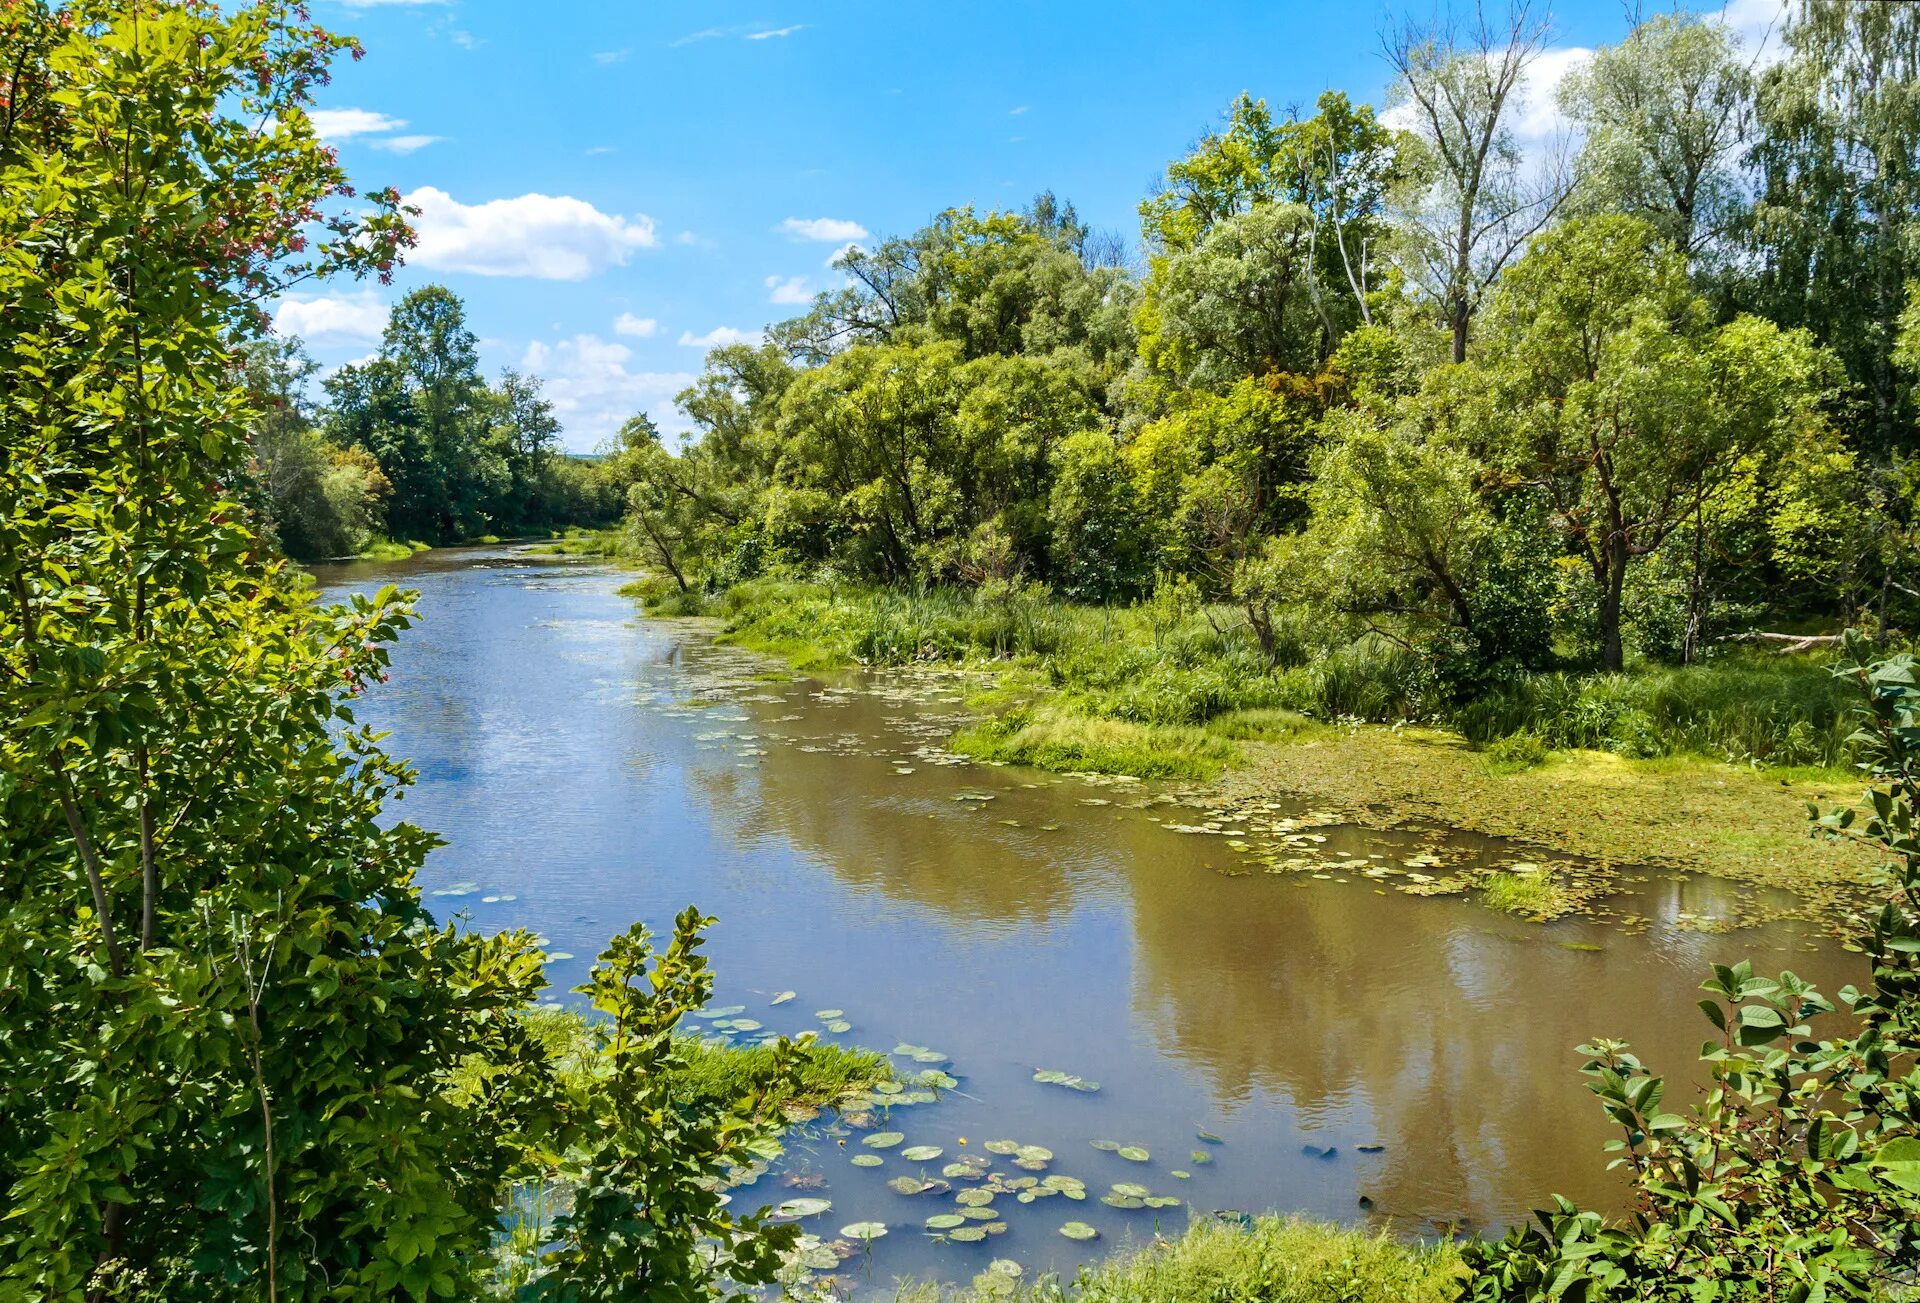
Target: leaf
x,y
866,1232
1079,1231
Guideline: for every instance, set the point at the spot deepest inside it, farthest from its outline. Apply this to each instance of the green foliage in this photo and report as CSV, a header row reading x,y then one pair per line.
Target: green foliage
x,y
1798,1176
645,1159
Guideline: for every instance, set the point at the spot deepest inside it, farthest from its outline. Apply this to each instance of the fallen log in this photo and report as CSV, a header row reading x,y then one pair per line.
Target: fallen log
x,y
1790,642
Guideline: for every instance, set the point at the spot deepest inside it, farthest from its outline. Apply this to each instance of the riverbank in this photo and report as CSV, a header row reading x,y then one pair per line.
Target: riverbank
x,y
1156,691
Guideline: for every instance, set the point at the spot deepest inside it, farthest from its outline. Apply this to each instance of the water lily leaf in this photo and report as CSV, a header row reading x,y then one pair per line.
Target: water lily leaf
x,y
974,1198
1133,1153
1054,1077
1210,1138
1161,1201
936,1079
828,1015
1019,1182
966,1168
1076,1193
945,1222
922,1153
1061,1182
781,998
1184,1176
887,1088
967,1234
1031,1164
994,1228
929,1056
1037,1153
725,1011
1025,1196
1079,1231
839,1027
866,1231
910,1185
803,1207
1106,1146
979,1214
1128,1188
745,1025
867,1160
555,956
906,1049
1006,1267
1122,1201
1200,1156
882,1140
1002,1146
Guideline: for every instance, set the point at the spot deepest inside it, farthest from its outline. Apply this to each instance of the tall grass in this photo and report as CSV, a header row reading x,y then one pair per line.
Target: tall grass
x,y
1272,1260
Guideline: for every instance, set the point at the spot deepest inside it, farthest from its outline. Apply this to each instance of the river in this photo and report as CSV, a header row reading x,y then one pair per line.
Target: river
x,y
1360,1054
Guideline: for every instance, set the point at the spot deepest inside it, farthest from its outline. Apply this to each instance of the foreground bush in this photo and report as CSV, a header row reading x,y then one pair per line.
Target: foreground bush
x,y
1798,1177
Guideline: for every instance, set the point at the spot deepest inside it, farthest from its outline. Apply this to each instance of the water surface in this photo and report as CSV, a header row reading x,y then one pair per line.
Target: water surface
x,y
589,768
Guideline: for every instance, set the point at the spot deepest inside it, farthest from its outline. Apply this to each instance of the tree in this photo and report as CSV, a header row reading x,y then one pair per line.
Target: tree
x,y
1836,223
312,497
1624,406
1666,114
1475,199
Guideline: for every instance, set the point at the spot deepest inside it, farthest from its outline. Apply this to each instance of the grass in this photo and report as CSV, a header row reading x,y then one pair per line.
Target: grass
x,y
1532,895
1046,737
386,549
1273,1260
721,1073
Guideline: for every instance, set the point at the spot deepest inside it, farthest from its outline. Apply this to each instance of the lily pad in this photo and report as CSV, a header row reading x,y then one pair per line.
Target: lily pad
x,y
839,1027
864,1231
724,1011
936,1079
828,1015
1180,1175
979,1214
1106,1146
1209,1137
1002,1146
945,1222
882,1140
1161,1201
1061,1182
1036,1153
967,1234
1054,1077
1200,1156
888,1088
1079,1231
974,1198
1133,1153
1130,1189
867,1160
911,1185
922,1153
803,1207
745,1025
781,998
1122,1201
1006,1267
965,1169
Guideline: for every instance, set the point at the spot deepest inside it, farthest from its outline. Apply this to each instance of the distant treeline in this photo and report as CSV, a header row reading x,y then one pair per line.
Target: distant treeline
x,y
411,444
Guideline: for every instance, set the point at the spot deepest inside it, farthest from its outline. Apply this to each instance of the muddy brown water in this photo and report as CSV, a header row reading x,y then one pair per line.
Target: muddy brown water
x,y
589,768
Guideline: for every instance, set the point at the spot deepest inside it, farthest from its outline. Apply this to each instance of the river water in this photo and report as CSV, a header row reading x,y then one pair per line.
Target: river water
x,y
1360,1054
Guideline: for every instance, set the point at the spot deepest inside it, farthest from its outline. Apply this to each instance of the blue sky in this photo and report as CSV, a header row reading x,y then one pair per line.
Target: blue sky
x,y
612,186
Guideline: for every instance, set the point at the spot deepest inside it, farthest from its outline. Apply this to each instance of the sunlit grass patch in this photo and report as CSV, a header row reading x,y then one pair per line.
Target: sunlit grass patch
x,y
1272,1260
1528,892
1051,739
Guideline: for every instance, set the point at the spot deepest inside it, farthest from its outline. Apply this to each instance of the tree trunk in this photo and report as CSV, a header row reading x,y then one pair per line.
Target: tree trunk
x,y
1459,315
1612,652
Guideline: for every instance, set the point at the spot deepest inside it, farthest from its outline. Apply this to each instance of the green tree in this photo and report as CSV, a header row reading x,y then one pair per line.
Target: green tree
x,y
1621,402
315,499
1836,222
1666,114
1472,201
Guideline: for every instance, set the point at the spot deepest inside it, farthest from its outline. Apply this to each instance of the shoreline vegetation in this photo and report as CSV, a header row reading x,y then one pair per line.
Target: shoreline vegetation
x,y
1147,694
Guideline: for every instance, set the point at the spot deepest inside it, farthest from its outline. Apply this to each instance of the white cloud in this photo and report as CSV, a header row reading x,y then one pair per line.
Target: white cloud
x,y
596,150
345,124
550,237
404,144
639,327
704,34
593,392
718,337
465,40
605,57
835,229
788,289
774,32
841,252
332,318
1539,116
1757,24
1016,112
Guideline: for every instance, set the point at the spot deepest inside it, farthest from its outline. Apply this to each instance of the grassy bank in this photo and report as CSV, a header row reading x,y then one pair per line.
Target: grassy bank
x,y
1274,1260
1707,768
